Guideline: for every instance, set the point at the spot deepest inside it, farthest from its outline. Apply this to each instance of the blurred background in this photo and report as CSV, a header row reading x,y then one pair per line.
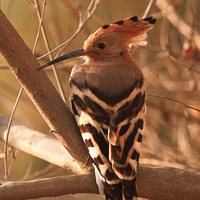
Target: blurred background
x,y
170,63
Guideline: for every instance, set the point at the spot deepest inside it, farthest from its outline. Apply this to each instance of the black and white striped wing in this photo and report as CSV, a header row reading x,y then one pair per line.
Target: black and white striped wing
x,y
93,122
125,137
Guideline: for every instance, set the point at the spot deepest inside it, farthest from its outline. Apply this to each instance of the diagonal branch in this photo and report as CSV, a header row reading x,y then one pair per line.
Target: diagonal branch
x,y
41,91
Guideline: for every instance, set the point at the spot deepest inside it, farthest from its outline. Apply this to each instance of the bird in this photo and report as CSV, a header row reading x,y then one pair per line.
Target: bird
x,y
107,97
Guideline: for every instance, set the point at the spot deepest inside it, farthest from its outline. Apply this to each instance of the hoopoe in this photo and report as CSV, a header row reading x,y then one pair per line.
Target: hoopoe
x,y
107,99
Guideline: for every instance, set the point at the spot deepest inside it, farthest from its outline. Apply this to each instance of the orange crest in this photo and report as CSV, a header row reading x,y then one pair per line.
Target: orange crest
x,y
131,30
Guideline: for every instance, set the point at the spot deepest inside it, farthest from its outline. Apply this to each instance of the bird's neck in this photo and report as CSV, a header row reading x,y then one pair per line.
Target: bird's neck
x,y
123,55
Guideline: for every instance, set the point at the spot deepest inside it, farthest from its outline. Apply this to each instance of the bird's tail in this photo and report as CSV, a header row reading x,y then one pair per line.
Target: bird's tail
x,y
129,190
109,191
124,190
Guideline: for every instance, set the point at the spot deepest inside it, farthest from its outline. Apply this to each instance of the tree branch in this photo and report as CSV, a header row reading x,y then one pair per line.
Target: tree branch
x,y
41,91
153,183
38,144
48,187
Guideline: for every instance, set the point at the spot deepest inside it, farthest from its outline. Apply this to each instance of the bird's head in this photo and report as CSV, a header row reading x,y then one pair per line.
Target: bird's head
x,y
112,40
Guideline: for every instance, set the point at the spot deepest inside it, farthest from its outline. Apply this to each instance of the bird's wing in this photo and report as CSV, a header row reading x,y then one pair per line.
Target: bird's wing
x,y
125,135
93,122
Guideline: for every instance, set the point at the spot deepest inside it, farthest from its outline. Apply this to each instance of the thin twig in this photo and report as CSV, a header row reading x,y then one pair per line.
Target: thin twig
x,y
7,134
40,24
168,54
2,155
77,7
13,161
58,80
4,67
82,22
37,174
87,16
168,98
149,7
28,170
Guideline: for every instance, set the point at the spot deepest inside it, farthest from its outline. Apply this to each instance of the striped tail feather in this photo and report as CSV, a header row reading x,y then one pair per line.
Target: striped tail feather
x,y
125,190
110,191
129,190
113,192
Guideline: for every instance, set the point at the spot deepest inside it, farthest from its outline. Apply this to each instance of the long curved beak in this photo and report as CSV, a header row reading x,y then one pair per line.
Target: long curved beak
x,y
76,53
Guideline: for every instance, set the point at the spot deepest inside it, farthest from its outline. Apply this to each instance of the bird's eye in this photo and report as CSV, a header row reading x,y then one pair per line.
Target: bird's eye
x,y
101,45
